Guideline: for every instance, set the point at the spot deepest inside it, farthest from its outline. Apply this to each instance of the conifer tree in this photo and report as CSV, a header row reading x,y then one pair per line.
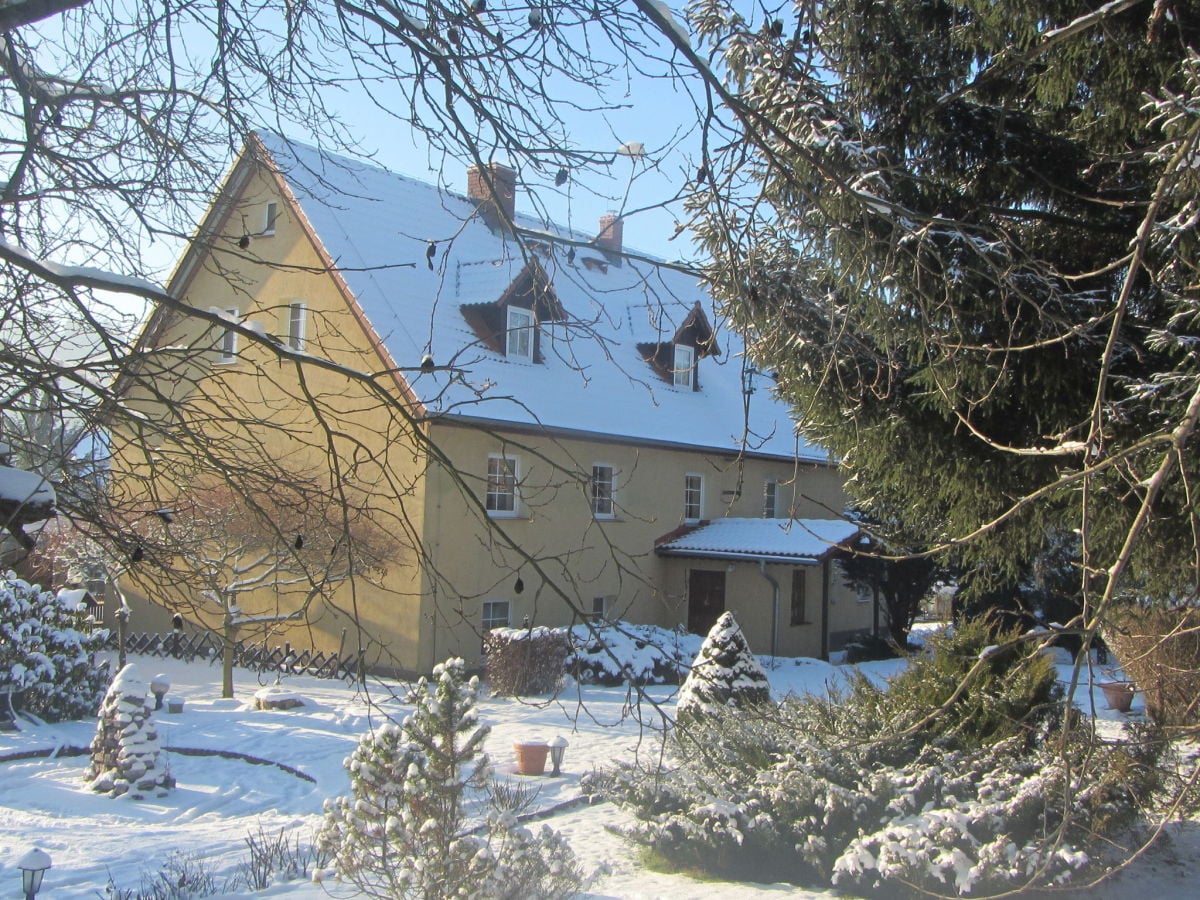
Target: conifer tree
x,y
724,674
402,831
963,237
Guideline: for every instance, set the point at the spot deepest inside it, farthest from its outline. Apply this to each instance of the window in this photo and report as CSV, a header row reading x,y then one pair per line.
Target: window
x,y
770,490
520,334
270,214
502,485
603,505
229,340
685,366
799,611
296,326
599,608
693,497
495,614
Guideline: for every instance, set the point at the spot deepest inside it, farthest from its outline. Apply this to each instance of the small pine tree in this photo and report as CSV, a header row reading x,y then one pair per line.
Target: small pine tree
x,y
127,757
46,654
724,674
401,832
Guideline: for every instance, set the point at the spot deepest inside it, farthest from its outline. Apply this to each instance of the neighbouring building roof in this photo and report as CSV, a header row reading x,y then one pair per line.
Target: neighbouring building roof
x,y
796,541
588,374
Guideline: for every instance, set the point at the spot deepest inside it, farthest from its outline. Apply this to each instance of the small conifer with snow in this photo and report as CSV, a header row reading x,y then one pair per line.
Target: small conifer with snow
x,y
127,757
724,674
46,653
402,832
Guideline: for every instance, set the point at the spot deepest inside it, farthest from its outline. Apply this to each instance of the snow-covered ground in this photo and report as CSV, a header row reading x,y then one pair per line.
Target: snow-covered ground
x,y
220,800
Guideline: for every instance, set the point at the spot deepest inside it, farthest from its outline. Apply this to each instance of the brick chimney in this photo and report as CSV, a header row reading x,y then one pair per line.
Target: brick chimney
x,y
612,233
499,207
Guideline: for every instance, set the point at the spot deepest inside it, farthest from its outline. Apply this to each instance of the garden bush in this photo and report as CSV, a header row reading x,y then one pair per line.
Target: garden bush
x,y
862,790
1159,649
614,653
47,653
521,661
725,675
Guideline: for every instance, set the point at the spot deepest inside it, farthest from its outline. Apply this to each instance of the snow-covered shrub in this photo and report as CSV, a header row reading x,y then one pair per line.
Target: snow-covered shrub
x,y
46,653
724,674
402,832
992,684
847,790
613,653
127,756
520,661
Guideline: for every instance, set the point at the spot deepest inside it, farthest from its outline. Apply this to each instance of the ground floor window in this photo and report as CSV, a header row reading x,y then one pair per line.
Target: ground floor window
x,y
495,614
799,598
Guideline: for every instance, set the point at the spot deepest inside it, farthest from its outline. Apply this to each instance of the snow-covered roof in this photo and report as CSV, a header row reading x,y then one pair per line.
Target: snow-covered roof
x,y
796,541
590,376
28,496
73,599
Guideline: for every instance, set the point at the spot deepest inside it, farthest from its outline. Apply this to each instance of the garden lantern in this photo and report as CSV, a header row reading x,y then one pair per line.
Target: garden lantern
x,y
33,866
159,685
558,747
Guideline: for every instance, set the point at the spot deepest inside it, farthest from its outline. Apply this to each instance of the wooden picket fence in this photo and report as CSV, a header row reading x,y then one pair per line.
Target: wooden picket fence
x,y
285,660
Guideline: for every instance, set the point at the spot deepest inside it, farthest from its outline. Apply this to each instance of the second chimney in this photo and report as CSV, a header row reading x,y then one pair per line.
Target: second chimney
x,y
612,233
494,191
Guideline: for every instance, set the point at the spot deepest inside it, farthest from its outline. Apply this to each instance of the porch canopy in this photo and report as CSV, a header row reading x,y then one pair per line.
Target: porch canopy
x,y
797,542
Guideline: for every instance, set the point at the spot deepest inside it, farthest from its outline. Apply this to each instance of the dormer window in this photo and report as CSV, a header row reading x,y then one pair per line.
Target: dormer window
x,y
684,367
520,334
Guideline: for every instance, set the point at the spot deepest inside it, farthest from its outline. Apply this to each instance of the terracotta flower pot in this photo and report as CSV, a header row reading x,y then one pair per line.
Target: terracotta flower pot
x,y
1119,694
531,757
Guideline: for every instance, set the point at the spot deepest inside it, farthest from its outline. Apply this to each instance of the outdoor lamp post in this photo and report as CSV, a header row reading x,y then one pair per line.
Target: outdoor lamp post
x,y
558,746
33,866
159,685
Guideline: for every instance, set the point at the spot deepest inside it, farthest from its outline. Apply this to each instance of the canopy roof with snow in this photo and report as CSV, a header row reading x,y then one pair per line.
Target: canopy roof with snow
x,y
794,541
433,274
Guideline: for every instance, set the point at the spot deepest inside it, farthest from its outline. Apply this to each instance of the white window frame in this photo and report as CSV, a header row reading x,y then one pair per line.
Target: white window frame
x,y
519,340
297,326
770,499
490,614
497,480
270,217
683,366
603,507
693,497
229,340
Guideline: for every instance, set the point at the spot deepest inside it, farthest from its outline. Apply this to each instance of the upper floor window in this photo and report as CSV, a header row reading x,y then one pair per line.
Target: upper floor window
x,y
770,495
603,492
270,214
520,334
495,614
229,340
684,367
693,497
502,485
296,326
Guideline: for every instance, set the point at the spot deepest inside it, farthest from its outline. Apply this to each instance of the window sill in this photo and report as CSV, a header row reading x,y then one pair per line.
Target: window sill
x,y
493,514
805,622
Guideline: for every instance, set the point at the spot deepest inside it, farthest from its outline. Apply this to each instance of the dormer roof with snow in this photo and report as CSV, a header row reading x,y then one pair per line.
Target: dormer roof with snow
x,y
440,273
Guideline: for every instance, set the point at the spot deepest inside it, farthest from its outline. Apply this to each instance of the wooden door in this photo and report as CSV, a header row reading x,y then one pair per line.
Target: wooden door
x,y
706,599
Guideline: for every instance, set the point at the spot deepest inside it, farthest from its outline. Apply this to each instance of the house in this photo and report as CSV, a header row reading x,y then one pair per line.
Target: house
x,y
554,427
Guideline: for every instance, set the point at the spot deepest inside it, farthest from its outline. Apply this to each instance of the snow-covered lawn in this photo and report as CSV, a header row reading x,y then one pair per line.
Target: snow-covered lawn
x,y
221,799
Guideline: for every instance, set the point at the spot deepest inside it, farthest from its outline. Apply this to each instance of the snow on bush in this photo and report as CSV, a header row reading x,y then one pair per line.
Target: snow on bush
x,y
613,653
46,653
724,674
403,831
127,756
862,789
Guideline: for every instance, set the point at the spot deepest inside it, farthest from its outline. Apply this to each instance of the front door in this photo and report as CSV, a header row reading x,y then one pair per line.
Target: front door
x,y
706,599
